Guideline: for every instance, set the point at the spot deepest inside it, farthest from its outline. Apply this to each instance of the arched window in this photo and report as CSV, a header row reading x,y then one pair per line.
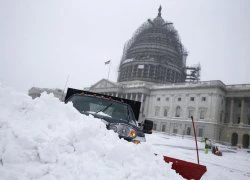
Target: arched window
x,y
188,131
200,132
202,113
163,128
190,112
178,111
234,139
157,110
245,141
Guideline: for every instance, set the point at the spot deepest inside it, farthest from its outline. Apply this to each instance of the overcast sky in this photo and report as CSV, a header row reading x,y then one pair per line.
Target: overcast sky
x,y
44,41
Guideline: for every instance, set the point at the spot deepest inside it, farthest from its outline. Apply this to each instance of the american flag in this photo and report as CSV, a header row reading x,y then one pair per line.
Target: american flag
x,y
107,62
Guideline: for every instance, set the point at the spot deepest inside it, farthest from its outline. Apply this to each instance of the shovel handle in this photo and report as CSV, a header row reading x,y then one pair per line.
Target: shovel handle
x,y
195,140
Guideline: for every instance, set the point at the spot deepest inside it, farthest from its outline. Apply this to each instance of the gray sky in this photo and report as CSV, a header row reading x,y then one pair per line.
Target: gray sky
x,y
44,41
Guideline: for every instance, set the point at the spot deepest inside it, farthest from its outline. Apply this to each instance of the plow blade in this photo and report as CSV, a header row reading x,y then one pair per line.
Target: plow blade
x,y
186,169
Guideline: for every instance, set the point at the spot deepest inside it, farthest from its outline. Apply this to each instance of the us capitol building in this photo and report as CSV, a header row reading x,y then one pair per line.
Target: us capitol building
x,y
153,71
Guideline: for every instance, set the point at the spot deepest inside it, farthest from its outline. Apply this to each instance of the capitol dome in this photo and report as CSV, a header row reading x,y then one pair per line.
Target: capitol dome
x,y
154,54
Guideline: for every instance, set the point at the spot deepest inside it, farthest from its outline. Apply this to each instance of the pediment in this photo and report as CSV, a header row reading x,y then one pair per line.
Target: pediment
x,y
104,83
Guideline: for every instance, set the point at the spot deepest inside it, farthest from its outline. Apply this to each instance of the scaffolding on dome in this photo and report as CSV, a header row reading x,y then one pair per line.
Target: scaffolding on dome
x,y
193,73
167,28
155,54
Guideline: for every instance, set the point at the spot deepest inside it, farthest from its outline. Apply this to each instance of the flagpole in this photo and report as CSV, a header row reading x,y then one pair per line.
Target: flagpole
x,y
109,69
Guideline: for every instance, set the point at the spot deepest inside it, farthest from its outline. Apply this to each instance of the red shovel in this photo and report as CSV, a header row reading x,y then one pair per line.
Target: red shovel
x,y
188,170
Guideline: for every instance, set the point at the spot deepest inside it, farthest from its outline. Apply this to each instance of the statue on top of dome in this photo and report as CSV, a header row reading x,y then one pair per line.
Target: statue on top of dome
x,y
159,11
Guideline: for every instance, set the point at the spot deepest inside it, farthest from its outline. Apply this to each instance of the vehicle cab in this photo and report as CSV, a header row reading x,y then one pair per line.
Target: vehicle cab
x,y
117,115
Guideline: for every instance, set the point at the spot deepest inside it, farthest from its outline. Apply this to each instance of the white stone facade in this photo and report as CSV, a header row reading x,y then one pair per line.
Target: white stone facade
x,y
220,112
35,92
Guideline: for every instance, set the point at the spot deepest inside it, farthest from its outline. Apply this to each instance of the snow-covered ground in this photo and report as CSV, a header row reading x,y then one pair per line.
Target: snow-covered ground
x,y
47,139
234,164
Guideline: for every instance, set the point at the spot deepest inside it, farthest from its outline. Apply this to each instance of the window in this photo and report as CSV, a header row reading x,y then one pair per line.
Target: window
x,y
190,113
249,121
158,99
191,98
165,114
226,118
175,131
167,98
157,110
178,111
188,131
102,107
163,128
221,116
202,113
238,120
239,105
203,99
179,99
200,132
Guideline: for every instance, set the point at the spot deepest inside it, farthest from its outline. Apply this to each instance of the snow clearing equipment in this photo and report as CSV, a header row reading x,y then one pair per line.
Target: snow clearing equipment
x,y
187,170
119,115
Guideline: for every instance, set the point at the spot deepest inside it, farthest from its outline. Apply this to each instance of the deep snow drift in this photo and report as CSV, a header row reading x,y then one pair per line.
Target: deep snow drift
x,y
47,139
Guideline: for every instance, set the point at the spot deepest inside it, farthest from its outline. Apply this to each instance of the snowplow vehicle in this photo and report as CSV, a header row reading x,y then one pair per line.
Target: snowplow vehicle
x,y
121,115
114,112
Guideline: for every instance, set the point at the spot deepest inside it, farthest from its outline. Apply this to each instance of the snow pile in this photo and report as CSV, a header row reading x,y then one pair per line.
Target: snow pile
x,y
46,139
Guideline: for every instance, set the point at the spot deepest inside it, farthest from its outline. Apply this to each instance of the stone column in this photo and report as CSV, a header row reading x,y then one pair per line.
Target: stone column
x,y
217,108
172,106
240,138
148,71
132,70
142,72
147,98
126,96
242,111
185,107
196,114
210,101
231,111
174,76
136,96
142,95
